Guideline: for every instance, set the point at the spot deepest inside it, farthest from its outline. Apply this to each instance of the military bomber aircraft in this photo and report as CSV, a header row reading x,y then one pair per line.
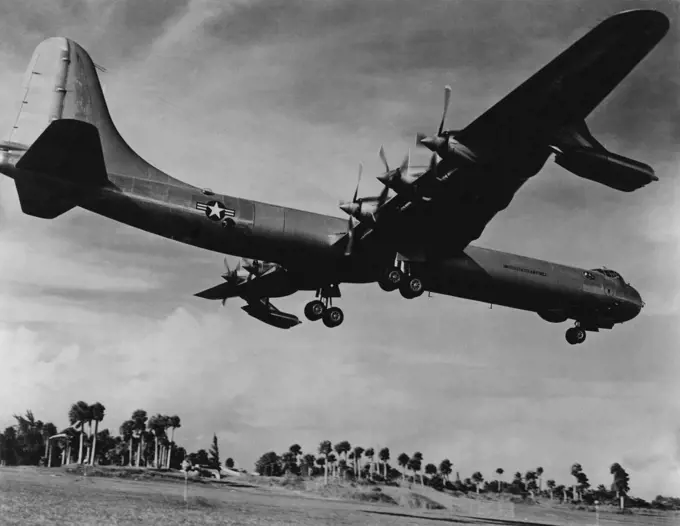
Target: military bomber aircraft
x,y
64,151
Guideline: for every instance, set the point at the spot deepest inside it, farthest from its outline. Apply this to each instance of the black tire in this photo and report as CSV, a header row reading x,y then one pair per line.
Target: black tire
x,y
412,288
575,335
391,279
333,317
314,310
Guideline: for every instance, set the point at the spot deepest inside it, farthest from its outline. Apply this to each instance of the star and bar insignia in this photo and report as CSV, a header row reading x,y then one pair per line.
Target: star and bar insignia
x,y
215,210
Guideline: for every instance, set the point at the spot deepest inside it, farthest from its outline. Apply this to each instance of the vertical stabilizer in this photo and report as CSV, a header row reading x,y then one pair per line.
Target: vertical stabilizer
x,y
61,82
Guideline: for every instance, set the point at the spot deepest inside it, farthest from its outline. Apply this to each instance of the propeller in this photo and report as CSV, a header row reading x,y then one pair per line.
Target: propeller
x,y
399,173
435,142
351,209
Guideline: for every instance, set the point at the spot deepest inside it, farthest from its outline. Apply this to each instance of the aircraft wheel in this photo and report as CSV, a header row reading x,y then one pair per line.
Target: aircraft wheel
x,y
391,279
412,288
576,335
333,317
314,310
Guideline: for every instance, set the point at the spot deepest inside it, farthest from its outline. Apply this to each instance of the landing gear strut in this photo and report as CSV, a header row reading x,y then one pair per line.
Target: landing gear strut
x,y
322,307
401,277
576,335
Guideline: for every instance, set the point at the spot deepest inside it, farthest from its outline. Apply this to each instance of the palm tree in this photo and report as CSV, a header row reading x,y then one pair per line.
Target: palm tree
x,y
127,430
97,411
139,419
325,449
477,478
77,416
173,422
517,480
575,470
500,472
403,461
358,451
418,463
342,448
48,430
431,470
370,453
156,426
539,474
530,479
446,468
551,486
384,456
308,461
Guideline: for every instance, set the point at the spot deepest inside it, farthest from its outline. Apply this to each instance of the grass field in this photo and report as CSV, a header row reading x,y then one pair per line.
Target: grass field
x,y
53,496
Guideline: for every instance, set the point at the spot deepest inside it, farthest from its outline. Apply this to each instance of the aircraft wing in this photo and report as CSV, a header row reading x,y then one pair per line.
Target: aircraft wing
x,y
567,89
483,165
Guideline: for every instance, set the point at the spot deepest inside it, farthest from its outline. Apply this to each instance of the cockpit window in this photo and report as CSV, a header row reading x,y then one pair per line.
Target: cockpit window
x,y
609,273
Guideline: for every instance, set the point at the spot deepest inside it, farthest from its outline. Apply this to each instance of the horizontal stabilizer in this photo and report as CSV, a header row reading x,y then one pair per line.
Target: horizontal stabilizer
x,y
219,292
68,150
42,198
273,283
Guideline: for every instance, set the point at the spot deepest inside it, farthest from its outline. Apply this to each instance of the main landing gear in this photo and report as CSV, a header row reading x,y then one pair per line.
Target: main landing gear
x,y
576,335
322,307
401,277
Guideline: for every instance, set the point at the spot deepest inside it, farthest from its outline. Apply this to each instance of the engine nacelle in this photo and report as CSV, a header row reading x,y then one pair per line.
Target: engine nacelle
x,y
609,169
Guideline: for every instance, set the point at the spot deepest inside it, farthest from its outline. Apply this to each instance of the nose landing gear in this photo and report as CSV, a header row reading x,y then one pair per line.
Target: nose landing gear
x,y
576,335
322,308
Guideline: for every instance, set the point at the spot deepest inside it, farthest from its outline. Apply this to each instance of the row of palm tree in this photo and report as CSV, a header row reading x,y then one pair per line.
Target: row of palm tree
x,y
142,428
343,460
25,442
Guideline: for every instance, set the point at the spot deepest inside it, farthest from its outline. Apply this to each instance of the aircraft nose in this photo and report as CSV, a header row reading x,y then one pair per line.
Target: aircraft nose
x,y
634,302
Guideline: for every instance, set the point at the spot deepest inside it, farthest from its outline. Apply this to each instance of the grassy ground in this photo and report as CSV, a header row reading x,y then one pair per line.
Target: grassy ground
x,y
53,496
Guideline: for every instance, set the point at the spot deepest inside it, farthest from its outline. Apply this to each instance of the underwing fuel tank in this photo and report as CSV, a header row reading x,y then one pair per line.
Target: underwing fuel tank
x,y
607,168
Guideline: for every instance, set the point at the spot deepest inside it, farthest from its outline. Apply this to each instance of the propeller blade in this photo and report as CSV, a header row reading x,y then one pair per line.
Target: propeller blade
x,y
350,240
381,153
433,162
406,163
356,191
383,196
447,98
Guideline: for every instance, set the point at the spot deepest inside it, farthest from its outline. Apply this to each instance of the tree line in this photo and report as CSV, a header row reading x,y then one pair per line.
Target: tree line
x,y
342,461
141,442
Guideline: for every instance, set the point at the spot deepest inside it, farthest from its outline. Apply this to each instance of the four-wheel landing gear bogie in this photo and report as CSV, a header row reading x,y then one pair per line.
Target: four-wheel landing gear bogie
x,y
575,335
322,309
410,285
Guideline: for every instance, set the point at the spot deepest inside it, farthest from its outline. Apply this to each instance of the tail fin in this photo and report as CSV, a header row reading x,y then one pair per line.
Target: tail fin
x,y
61,82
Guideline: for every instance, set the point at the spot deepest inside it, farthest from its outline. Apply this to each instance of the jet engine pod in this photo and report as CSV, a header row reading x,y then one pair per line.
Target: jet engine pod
x,y
609,169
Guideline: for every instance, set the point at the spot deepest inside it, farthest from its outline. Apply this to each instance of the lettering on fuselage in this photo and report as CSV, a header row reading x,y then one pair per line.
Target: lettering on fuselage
x,y
525,270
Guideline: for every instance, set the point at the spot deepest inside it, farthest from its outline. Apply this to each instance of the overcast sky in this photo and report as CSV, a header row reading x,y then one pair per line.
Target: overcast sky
x,y
279,101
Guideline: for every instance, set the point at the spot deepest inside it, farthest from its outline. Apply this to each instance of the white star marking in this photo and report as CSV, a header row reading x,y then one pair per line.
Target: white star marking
x,y
216,210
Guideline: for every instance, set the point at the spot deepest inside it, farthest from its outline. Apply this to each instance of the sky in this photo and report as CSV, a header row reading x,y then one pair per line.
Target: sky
x,y
279,101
